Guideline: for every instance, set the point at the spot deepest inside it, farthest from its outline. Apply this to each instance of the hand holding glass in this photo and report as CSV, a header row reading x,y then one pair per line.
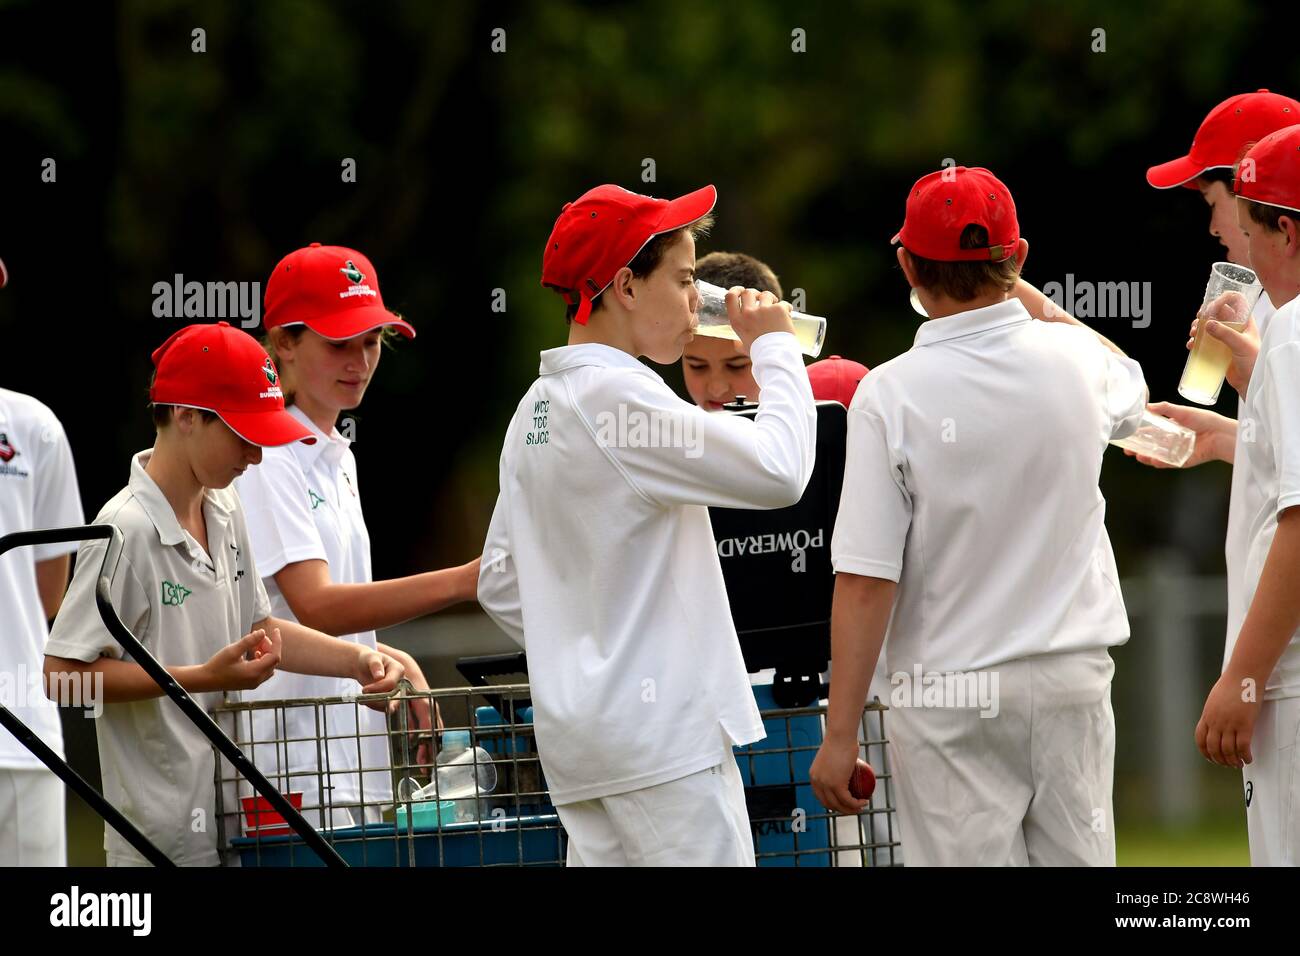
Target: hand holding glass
x,y
810,330
1229,298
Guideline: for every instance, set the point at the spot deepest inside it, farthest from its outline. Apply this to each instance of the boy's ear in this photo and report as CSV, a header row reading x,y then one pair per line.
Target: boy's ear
x,y
905,261
1022,253
1291,230
621,288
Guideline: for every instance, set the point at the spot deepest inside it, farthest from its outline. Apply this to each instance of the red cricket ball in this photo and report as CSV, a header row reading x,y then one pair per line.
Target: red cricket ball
x,y
862,783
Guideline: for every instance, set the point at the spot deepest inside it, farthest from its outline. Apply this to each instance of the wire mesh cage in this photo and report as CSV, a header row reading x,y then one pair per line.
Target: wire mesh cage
x,y
385,789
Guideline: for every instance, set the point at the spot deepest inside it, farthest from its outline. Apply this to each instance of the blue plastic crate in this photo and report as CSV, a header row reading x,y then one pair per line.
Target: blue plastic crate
x,y
777,784
526,841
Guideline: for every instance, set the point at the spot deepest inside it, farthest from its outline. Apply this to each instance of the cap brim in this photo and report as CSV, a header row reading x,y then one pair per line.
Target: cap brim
x,y
1176,172
687,209
350,323
898,237
267,429
4,274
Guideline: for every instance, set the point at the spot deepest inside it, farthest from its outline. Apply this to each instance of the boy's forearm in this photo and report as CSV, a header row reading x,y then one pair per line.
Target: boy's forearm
x,y
1041,307
124,681
307,651
859,619
1274,612
351,608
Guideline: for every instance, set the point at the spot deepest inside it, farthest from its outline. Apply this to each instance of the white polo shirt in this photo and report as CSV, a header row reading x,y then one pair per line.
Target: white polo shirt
x,y
38,489
971,480
600,560
1270,466
183,604
1243,504
303,504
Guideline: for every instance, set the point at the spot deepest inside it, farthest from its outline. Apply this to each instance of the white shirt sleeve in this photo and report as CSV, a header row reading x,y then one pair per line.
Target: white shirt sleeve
x,y
277,509
56,498
715,459
875,506
79,633
498,579
1126,394
1280,406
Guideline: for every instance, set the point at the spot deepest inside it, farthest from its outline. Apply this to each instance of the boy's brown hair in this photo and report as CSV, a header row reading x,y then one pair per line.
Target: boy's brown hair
x,y
727,269
963,281
648,259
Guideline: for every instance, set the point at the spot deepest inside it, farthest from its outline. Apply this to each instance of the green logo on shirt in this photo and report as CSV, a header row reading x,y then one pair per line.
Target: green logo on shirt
x,y
174,594
316,499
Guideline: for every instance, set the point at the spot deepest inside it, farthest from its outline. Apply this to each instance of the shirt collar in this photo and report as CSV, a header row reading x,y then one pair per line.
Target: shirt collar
x,y
332,446
975,321
159,510
591,353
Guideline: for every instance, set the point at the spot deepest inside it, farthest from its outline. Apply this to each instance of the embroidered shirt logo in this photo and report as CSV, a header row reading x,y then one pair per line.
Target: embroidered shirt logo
x,y
316,500
174,594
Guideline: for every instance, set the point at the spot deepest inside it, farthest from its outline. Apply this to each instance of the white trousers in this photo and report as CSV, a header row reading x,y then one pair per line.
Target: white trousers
x,y
1029,786
31,819
696,820
1272,785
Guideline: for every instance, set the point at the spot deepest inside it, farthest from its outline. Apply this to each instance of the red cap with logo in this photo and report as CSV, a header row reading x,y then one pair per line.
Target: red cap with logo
x,y
603,230
1270,172
941,206
224,370
836,379
330,289
1224,133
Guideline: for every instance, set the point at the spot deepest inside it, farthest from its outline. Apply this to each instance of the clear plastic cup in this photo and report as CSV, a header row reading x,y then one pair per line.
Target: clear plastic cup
x,y
810,330
1160,438
1230,296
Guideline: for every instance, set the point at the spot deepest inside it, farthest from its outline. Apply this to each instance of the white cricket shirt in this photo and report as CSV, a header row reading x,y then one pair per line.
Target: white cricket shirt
x,y
38,489
183,604
971,480
303,504
1243,504
1268,455
600,559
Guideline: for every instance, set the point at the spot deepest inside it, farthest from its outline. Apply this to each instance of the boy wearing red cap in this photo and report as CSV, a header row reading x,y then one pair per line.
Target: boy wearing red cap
x,y
600,557
1251,718
186,585
326,322
971,529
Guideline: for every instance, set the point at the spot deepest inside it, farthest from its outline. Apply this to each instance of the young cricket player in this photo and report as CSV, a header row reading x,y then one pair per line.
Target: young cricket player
x,y
325,321
715,370
971,530
600,558
187,587
1251,718
38,489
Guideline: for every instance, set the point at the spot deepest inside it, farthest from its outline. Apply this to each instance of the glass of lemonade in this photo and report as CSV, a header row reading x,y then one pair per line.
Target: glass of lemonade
x,y
810,330
1230,296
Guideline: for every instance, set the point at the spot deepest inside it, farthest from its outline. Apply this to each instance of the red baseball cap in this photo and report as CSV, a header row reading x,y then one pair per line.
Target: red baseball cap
x,y
942,204
1238,120
603,230
1270,172
836,379
224,370
332,290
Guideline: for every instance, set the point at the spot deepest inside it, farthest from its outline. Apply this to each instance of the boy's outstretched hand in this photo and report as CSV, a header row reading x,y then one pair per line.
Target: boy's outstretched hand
x,y
1216,435
1227,723
377,674
245,664
754,313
